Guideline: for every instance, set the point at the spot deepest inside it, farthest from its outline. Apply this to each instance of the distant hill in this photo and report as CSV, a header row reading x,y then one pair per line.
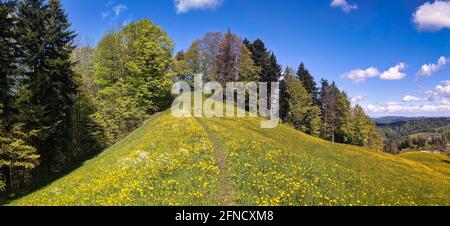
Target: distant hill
x,y
170,161
394,119
409,126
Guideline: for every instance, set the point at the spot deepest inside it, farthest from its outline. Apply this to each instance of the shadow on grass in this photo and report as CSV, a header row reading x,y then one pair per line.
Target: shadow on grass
x,y
8,197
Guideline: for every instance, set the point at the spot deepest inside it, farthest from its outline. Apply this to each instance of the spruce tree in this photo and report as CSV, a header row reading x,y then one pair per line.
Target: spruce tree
x,y
261,58
343,110
9,57
303,114
248,71
275,72
308,82
328,110
50,87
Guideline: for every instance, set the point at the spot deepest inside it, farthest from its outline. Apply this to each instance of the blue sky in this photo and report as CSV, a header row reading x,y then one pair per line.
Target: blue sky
x,y
391,56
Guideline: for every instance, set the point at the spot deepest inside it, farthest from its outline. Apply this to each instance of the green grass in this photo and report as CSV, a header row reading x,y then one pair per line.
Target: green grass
x,y
200,162
435,161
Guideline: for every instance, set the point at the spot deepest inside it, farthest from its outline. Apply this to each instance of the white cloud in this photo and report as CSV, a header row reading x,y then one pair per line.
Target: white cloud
x,y
184,6
393,107
360,75
428,69
394,73
445,102
375,109
116,12
118,9
409,98
344,5
441,108
438,105
105,15
358,99
444,89
433,16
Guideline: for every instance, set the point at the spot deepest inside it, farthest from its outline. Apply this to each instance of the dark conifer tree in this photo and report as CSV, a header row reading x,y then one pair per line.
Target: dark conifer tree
x,y
8,60
275,71
9,56
328,110
308,82
50,88
261,58
284,100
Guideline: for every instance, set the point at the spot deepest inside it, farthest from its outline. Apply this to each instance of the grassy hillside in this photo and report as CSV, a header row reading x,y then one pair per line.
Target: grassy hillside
x,y
435,161
172,161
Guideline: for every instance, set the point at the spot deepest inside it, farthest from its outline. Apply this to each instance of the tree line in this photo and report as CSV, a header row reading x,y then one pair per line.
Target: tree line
x,y
416,135
323,111
61,103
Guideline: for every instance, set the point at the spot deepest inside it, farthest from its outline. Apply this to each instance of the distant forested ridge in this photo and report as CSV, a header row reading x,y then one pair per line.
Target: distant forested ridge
x,y
405,128
394,119
430,134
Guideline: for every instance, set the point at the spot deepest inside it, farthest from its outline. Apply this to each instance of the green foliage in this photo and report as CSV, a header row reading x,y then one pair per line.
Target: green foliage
x,y
193,59
9,57
303,114
343,124
261,57
401,130
365,133
88,136
416,135
308,82
328,110
131,68
248,71
344,119
48,91
15,154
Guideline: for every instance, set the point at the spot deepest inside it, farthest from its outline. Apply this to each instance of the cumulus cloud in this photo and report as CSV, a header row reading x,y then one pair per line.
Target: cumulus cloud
x,y
358,99
184,6
441,90
344,5
445,102
428,69
441,108
394,73
438,104
360,75
375,109
444,89
409,98
433,16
